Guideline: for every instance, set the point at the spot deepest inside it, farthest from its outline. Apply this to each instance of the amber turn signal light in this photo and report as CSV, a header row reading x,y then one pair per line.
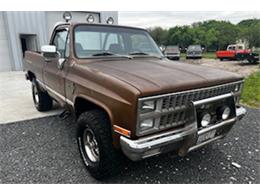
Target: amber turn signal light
x,y
122,131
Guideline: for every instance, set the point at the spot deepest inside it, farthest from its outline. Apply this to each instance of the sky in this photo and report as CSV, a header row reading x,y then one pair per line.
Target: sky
x,y
168,19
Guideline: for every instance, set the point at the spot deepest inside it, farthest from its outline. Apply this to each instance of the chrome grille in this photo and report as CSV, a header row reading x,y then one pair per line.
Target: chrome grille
x,y
172,119
181,100
185,98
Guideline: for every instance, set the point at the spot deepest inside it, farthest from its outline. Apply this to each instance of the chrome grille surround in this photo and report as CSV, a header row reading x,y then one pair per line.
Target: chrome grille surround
x,y
171,109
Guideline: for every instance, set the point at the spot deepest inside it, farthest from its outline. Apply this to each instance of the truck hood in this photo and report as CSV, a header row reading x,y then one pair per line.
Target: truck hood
x,y
154,76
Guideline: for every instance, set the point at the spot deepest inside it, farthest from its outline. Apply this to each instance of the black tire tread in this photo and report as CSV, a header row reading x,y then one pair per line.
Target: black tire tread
x,y
45,101
99,122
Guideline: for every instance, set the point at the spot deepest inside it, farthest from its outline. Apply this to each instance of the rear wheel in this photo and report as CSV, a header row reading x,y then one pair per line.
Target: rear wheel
x,y
95,144
41,99
252,61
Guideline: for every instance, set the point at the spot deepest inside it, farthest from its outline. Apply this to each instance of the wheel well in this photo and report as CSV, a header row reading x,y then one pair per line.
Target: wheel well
x,y
83,105
31,75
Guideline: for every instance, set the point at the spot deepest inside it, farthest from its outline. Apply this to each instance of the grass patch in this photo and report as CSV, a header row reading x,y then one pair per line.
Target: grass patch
x,y
183,55
251,92
209,55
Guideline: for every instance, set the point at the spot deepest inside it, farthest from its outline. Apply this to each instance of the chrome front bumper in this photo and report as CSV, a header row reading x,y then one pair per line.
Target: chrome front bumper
x,y
181,140
172,55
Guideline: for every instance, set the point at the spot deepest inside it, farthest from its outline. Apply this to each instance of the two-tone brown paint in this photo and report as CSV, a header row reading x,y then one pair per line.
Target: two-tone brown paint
x,y
115,84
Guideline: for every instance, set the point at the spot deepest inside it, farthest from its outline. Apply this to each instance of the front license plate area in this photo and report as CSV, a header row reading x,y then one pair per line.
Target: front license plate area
x,y
206,136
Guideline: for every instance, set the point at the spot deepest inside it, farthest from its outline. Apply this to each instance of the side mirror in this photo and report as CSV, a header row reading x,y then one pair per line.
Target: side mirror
x,y
162,48
49,51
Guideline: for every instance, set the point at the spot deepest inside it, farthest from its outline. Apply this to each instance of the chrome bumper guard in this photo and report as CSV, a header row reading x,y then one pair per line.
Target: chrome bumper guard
x,y
153,145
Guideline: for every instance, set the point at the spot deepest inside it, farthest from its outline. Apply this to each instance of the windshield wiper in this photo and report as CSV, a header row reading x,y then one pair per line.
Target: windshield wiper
x,y
106,53
139,53
144,54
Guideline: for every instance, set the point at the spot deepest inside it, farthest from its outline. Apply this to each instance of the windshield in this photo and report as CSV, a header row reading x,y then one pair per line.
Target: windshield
x,y
96,41
194,47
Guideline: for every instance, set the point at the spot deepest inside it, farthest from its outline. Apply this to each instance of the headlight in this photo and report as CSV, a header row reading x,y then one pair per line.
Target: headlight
x,y
237,87
237,91
147,124
205,120
148,106
226,113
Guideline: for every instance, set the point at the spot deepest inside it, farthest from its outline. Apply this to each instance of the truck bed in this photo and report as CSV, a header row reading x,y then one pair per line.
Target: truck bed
x,y
33,62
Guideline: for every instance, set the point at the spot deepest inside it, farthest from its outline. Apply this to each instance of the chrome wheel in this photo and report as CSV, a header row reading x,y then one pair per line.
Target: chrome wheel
x,y
91,145
35,94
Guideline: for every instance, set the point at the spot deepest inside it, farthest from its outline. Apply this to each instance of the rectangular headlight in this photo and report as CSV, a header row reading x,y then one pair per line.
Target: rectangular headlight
x,y
237,92
148,106
146,124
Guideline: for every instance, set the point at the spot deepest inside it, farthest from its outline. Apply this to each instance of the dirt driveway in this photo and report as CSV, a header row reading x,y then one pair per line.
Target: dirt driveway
x,y
242,68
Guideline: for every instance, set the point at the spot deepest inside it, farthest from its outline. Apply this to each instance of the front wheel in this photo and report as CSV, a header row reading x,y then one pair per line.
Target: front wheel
x,y
95,144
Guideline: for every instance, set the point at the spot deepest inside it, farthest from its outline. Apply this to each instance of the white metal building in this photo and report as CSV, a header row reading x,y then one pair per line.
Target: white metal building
x,y
26,30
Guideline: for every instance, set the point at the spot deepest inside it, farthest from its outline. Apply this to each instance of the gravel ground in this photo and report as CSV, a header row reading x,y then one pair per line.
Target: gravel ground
x,y
242,68
45,151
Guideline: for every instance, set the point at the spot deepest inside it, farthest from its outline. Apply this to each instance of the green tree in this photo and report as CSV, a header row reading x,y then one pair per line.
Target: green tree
x,y
250,31
212,34
159,35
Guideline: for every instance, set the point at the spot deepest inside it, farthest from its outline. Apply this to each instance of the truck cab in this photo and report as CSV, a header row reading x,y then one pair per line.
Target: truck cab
x,y
235,47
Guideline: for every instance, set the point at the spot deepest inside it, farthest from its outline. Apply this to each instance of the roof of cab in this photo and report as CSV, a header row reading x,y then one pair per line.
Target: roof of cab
x,y
94,24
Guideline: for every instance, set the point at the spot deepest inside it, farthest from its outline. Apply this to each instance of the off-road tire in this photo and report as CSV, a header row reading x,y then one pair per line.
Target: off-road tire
x,y
44,101
98,122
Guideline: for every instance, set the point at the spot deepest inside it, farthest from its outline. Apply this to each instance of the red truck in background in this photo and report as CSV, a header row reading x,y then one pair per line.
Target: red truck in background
x,y
238,52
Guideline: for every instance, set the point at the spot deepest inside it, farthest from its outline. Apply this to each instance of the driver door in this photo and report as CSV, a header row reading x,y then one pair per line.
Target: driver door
x,y
53,72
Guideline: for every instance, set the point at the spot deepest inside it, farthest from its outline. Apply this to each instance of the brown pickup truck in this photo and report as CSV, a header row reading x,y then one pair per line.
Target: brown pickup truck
x,y
126,96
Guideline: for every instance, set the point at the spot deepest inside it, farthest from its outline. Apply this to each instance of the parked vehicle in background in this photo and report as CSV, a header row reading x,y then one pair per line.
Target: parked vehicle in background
x,y
238,52
194,52
127,98
230,52
172,52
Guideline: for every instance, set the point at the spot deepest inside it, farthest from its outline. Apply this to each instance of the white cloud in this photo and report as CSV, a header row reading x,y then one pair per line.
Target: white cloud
x,y
168,19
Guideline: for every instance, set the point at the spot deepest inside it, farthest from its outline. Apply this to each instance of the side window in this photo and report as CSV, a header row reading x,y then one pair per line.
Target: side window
x,y
231,48
60,41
